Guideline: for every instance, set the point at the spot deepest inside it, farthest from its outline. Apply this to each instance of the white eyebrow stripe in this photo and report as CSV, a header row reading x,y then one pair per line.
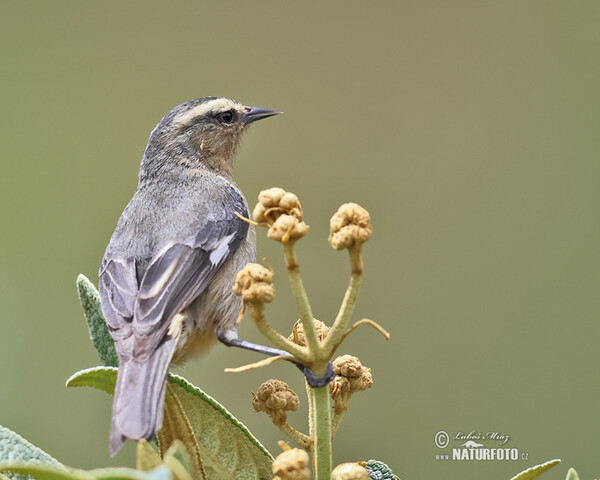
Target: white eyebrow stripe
x,y
216,105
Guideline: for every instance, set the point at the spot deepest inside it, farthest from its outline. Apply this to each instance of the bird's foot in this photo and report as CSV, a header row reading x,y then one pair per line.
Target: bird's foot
x,y
231,340
314,381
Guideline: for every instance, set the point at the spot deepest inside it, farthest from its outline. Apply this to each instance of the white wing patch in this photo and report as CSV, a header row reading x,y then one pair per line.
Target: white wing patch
x,y
222,249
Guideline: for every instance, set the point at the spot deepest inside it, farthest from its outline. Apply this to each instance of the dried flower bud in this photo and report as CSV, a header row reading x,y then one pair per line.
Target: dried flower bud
x,y
273,203
286,228
348,366
282,211
254,283
350,377
350,471
349,226
291,465
275,398
298,336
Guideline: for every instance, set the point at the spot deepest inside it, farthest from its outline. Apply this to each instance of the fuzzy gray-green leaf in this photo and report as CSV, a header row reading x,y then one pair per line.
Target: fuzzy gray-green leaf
x,y
90,302
379,470
15,449
101,378
29,470
229,451
534,472
572,474
51,472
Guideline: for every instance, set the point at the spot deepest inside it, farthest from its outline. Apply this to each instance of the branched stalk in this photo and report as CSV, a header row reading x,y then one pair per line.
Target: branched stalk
x,y
350,227
321,410
303,440
302,303
345,313
335,423
364,321
257,313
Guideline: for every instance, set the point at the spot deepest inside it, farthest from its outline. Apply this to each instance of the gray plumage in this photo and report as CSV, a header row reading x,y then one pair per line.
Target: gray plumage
x,y
167,274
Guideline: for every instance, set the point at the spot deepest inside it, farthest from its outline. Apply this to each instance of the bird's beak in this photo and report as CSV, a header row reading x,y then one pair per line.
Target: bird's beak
x,y
251,114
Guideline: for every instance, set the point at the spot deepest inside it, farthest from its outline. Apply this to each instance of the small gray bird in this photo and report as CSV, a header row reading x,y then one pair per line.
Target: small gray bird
x,y
167,275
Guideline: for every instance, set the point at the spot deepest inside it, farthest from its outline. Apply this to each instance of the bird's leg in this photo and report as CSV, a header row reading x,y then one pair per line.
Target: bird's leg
x,y
230,339
236,342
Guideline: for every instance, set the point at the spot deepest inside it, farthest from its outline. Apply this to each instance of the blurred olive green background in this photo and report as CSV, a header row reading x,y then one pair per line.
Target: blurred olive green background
x,y
468,129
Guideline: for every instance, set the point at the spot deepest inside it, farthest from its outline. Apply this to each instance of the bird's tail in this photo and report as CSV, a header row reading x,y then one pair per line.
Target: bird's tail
x,y
139,398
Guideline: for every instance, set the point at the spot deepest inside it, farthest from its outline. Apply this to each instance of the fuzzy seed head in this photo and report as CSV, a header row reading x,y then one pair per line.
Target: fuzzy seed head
x,y
275,398
287,228
350,471
298,336
350,377
349,226
282,212
291,465
275,202
254,283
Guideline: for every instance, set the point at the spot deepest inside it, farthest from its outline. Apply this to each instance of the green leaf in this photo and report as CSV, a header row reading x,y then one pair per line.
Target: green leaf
x,y
102,378
120,473
379,470
50,472
15,449
160,473
180,462
19,459
572,475
176,460
176,430
90,302
146,457
22,470
228,449
535,472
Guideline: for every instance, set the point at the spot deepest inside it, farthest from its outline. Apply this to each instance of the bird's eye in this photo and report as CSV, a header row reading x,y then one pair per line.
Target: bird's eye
x,y
225,117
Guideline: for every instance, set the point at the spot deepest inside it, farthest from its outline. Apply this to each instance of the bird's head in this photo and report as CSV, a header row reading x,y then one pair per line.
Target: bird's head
x,y
204,132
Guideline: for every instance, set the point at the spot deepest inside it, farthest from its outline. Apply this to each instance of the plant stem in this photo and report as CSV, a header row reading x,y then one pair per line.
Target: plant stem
x,y
343,317
322,433
364,321
302,303
303,440
311,410
335,423
257,311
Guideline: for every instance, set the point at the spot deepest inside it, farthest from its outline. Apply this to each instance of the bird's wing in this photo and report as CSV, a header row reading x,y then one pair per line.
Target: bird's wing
x,y
118,288
178,274
175,276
